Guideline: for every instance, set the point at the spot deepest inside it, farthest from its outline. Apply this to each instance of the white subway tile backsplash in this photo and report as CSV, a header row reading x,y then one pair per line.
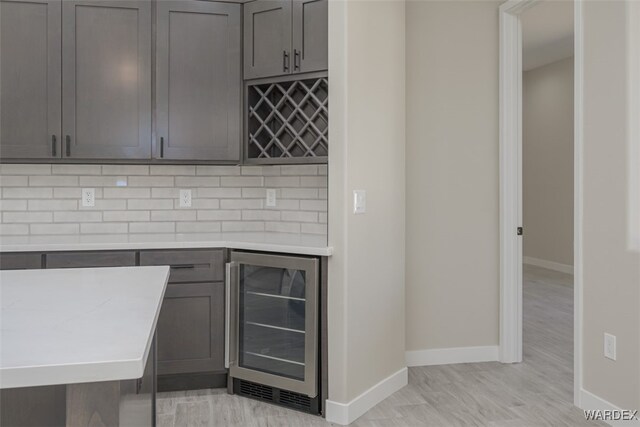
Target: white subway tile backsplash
x,y
229,226
218,193
70,193
241,181
173,170
14,181
54,228
300,170
197,181
282,181
52,205
126,193
152,227
19,169
198,227
27,217
103,181
241,204
76,169
146,204
26,193
219,215
260,215
13,205
126,216
313,228
125,170
14,229
77,216
53,181
299,216
45,199
218,170
282,227
150,181
103,228
183,215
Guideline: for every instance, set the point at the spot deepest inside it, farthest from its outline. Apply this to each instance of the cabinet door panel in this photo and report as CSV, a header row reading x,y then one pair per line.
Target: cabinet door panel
x,y
198,80
267,38
107,79
191,329
310,35
30,79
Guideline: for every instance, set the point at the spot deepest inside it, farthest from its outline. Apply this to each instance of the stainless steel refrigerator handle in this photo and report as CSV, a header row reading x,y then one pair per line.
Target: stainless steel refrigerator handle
x,y
227,311
230,313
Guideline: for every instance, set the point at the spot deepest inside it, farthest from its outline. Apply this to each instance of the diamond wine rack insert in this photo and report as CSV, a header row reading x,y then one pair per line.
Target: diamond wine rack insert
x,y
288,122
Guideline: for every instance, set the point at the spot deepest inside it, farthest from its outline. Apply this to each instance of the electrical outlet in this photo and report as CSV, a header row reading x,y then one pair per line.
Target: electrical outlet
x,y
185,198
610,346
271,197
88,197
359,201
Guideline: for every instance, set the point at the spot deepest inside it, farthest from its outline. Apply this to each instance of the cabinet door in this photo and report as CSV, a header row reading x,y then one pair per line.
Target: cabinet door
x,y
86,259
198,80
106,47
30,79
190,334
267,38
310,35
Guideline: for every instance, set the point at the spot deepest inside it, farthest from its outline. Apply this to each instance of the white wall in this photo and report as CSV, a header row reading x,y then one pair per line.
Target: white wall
x,y
548,162
611,270
452,174
366,272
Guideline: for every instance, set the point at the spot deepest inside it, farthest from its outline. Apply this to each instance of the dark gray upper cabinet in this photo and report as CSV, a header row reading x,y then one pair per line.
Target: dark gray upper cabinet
x,y
106,50
198,81
285,36
310,35
30,79
267,38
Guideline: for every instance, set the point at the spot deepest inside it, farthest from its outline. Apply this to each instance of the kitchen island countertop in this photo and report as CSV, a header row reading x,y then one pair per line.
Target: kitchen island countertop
x,y
67,326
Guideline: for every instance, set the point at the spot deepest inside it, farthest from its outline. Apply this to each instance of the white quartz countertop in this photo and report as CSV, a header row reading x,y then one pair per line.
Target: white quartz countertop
x,y
304,244
77,325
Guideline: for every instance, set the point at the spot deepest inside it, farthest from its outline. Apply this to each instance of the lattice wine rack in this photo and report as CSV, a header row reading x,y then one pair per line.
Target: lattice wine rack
x,y
288,122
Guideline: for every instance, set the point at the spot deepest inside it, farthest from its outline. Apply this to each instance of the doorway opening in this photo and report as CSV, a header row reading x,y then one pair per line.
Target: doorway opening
x,y
540,184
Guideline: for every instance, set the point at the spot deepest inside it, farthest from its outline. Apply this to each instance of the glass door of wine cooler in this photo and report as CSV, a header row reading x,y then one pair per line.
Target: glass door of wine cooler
x,y
273,320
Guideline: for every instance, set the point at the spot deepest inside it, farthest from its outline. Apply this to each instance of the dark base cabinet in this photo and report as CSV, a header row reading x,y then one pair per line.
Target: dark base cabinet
x,y
191,323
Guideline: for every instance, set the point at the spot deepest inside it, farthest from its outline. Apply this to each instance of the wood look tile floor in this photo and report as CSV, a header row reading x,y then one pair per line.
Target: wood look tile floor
x,y
537,392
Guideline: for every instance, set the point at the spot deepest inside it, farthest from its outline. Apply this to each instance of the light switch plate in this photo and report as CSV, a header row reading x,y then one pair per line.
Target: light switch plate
x,y
88,197
271,198
359,201
185,198
609,346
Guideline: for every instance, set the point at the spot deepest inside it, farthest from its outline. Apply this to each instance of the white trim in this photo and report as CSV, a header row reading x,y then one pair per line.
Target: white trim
x,y
346,413
511,183
591,401
447,356
551,265
578,147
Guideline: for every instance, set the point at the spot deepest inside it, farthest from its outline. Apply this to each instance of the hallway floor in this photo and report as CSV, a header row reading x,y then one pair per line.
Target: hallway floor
x,y
537,392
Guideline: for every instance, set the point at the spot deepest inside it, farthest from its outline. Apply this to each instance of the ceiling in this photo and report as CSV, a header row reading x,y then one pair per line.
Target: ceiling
x,y
547,33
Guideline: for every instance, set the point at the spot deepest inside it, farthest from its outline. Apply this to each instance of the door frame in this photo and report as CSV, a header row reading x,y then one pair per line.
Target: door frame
x,y
510,159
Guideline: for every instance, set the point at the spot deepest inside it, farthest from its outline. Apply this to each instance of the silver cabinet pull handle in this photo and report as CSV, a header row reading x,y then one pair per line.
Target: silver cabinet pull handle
x,y
161,147
285,60
68,145
227,312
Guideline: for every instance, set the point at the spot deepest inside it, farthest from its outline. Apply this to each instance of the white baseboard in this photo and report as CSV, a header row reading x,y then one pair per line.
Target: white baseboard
x,y
551,265
346,413
447,356
589,400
